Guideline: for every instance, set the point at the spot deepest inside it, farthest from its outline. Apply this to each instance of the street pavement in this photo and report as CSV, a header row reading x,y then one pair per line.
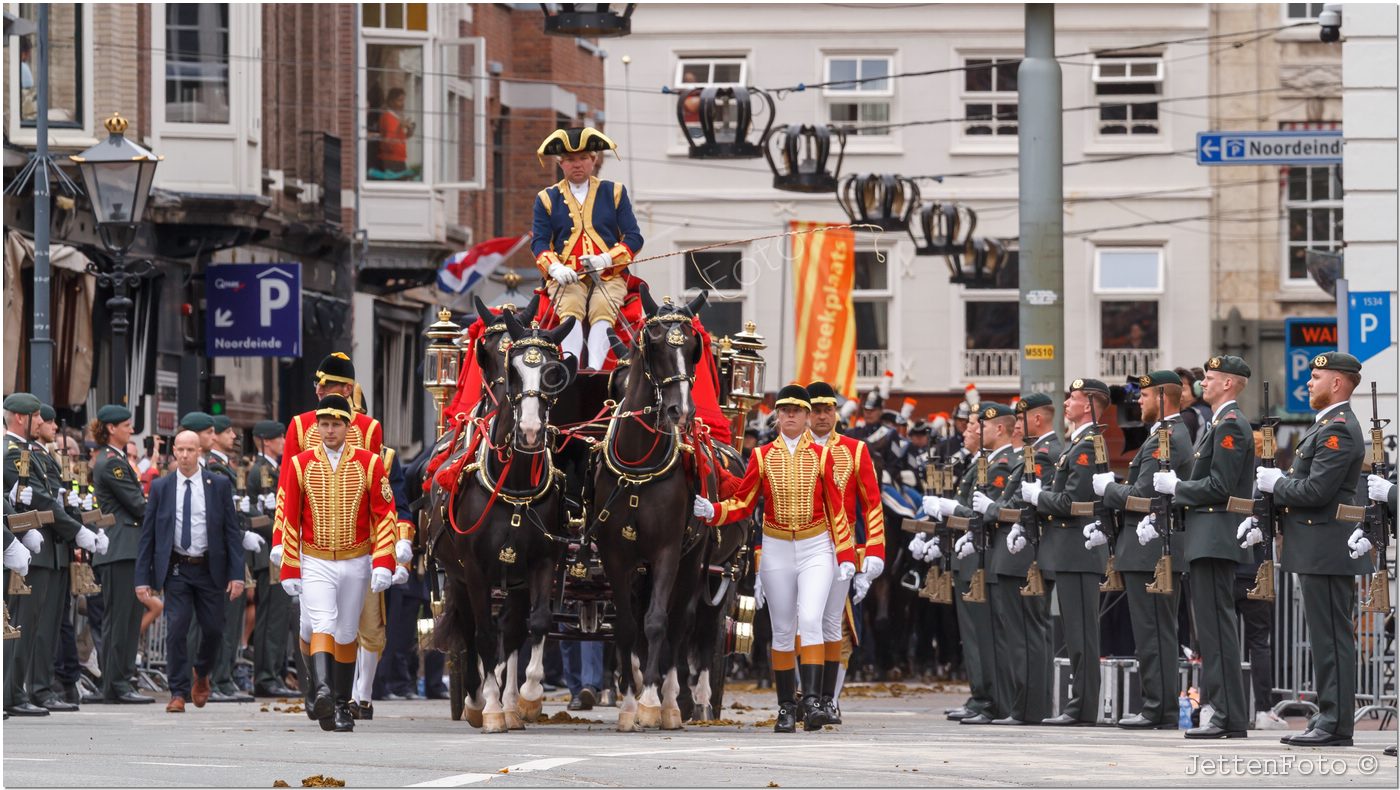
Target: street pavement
x,y
893,736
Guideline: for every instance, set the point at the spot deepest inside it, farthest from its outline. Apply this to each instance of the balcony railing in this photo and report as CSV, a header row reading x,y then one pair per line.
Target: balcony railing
x,y
988,363
1117,363
872,363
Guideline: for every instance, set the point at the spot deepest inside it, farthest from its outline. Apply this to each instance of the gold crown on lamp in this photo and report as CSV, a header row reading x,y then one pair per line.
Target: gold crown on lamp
x,y
116,124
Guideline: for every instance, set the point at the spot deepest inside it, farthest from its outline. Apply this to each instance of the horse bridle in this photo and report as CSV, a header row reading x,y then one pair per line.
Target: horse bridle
x,y
674,337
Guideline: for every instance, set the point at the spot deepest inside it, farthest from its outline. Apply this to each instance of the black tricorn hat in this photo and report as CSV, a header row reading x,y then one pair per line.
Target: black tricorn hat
x,y
572,141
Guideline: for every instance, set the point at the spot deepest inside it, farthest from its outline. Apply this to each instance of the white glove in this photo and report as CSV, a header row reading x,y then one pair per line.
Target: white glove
x,y
919,545
845,571
1359,544
981,502
268,502
964,547
74,501
1030,491
275,556
1378,488
1249,533
873,567
86,539
1101,481
931,507
1164,482
946,507
758,599
89,502
933,550
861,586
17,558
242,504
401,575
380,579
597,262
252,541
403,552
562,274
1016,539
102,541
21,496
291,586
703,508
1265,477
1094,536
1146,530
32,540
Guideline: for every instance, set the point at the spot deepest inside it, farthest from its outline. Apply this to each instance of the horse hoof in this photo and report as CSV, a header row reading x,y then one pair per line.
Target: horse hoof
x,y
627,721
895,674
671,719
530,709
473,716
648,716
513,721
493,722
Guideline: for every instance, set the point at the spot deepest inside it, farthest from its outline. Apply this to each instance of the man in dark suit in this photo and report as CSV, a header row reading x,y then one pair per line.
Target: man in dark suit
x,y
191,548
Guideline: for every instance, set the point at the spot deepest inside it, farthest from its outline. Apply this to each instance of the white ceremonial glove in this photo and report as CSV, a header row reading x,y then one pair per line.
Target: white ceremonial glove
x,y
1016,539
1094,536
1265,477
403,552
873,567
931,507
933,550
21,496
965,547
74,501
1101,481
86,539
1359,544
860,586
380,579
981,502
252,541
242,503
703,508
291,586
17,558
1252,535
89,502
562,274
400,575
275,556
268,501
946,507
1164,482
1146,530
1030,491
32,540
845,571
758,599
597,262
918,545
1378,488
102,541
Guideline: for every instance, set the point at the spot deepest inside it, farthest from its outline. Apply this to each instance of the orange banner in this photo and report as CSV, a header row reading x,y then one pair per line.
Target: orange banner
x,y
824,269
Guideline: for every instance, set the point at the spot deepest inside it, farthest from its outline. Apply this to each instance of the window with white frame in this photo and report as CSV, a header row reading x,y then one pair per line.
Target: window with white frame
x,y
872,298
394,93
1302,11
1128,282
989,96
1312,199
67,49
1127,89
197,63
721,272
860,93
695,73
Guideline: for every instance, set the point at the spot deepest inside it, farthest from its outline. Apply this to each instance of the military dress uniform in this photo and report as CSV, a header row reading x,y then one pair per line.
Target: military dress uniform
x,y
1153,615
274,607
1326,468
1223,467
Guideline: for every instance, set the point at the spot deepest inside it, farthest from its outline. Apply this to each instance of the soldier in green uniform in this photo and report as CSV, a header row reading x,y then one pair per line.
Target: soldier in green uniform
x,y
1325,552
1063,549
17,556
1223,467
1023,621
274,606
219,461
38,613
119,494
1153,615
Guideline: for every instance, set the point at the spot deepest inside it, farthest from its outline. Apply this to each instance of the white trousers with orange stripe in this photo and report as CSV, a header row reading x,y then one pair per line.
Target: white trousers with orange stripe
x,y
797,579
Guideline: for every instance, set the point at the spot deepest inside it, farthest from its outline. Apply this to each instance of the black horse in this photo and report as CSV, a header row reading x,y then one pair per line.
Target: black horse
x,y
641,458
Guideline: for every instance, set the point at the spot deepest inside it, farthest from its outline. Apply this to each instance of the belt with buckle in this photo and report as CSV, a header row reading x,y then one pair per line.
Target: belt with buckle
x,y
188,560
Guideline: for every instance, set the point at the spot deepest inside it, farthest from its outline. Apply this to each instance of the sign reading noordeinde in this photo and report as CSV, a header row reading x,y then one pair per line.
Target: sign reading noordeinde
x,y
1323,147
253,310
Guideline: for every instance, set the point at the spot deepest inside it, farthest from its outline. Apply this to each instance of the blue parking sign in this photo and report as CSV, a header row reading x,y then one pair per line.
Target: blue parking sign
x,y
1368,323
253,310
1303,339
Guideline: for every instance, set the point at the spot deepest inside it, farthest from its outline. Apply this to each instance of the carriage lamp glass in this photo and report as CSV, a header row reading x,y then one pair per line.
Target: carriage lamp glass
x,y
747,366
118,174
442,362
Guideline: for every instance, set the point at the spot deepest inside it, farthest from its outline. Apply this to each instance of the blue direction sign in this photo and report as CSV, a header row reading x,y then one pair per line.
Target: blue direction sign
x,y
1368,321
1322,147
1304,338
253,310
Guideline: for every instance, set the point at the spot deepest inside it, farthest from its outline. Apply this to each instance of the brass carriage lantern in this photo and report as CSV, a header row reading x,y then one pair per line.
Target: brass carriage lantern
x,y
442,362
746,374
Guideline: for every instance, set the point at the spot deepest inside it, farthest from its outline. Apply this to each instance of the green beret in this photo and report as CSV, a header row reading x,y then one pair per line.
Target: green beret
x,y
1035,400
1339,361
1228,364
793,395
197,421
21,403
222,423
113,413
46,413
1158,378
990,410
268,429
1089,385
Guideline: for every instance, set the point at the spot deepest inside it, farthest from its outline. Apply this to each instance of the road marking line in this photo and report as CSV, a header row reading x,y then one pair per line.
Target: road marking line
x,y
520,768
733,749
33,759
455,781
544,765
183,765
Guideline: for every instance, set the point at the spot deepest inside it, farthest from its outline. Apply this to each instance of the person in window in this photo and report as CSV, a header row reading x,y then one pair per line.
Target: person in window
x,y
394,131
584,236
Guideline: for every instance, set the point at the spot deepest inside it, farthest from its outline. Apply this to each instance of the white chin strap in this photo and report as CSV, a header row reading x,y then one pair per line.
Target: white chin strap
x,y
598,343
573,342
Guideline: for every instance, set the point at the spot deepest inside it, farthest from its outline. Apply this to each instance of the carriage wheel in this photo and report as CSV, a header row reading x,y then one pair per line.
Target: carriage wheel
x,y
456,684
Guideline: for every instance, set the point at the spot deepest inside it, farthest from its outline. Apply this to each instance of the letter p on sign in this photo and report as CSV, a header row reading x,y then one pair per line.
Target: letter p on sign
x,y
274,294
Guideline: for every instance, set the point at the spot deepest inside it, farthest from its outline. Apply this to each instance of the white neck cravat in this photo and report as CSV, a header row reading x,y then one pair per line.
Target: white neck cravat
x,y
334,455
580,191
791,443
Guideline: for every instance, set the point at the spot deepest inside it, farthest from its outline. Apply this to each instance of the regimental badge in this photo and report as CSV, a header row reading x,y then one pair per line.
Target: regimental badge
x,y
1000,482
1332,443
989,413
1083,459
504,345
675,337
533,357
1144,381
1320,361
1077,384
118,472
1214,363
386,490
1020,406
1228,442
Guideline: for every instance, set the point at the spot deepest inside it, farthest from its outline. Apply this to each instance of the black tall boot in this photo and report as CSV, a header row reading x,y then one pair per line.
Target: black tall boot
x,y
828,702
786,681
304,681
319,670
344,683
813,717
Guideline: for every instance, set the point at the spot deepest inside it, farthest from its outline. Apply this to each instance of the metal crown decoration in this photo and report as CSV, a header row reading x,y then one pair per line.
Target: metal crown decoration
x,y
804,150
882,200
725,117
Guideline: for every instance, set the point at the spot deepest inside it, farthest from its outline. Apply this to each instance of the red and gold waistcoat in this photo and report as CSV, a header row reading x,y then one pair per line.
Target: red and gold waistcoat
x,y
860,491
336,513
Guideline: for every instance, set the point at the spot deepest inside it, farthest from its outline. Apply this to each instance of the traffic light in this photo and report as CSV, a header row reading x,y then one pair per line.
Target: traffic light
x,y
218,402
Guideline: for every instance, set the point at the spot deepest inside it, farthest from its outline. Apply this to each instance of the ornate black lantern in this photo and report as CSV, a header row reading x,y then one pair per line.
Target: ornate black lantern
x,y
946,229
724,116
804,150
587,20
885,201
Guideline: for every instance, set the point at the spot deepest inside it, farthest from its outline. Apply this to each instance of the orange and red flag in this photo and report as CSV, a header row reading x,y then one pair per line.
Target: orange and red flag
x,y
824,269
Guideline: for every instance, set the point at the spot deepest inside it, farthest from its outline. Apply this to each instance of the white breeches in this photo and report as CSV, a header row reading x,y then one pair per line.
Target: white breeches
x,y
835,611
797,580
332,594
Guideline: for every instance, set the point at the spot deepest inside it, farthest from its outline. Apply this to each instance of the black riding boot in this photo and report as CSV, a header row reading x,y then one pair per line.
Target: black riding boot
x,y
319,671
813,717
344,683
829,672
786,680
308,686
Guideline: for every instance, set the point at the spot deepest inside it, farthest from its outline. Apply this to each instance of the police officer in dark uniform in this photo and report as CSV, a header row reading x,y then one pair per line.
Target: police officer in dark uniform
x,y
274,606
1325,552
1153,615
1223,467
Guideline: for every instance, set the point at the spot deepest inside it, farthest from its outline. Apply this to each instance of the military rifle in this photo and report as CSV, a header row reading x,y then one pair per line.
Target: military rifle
x,y
976,524
240,473
1378,520
1107,518
1262,509
938,582
1029,517
1160,506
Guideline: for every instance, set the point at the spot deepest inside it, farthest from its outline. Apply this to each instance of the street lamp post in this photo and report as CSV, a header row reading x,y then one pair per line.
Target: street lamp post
x,y
118,174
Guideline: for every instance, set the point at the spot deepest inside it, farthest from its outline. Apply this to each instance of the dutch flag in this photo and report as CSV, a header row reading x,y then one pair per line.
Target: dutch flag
x,y
461,271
